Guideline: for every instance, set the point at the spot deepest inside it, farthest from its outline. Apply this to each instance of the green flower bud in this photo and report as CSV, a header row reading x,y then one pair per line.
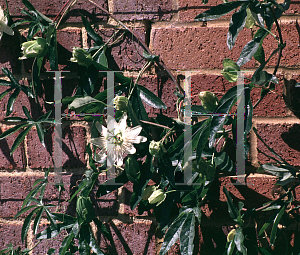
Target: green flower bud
x,y
84,209
157,149
209,100
35,48
121,103
158,196
81,56
231,235
148,192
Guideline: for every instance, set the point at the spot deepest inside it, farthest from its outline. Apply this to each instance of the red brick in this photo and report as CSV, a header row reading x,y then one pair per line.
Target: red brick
x,y
15,187
52,8
189,9
196,47
283,139
272,104
291,53
294,8
134,238
106,205
17,160
149,10
10,51
10,233
8,209
73,147
127,53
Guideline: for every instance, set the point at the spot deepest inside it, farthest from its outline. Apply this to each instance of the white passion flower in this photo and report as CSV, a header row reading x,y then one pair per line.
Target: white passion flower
x,y
3,24
117,139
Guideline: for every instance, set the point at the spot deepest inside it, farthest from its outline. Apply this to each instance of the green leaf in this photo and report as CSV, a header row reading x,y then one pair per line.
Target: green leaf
x,y
233,211
248,52
20,138
223,162
187,235
225,105
91,32
239,241
231,248
5,83
267,224
50,218
149,98
11,101
275,225
260,54
103,229
3,94
66,243
236,24
40,133
218,11
230,70
53,55
132,168
12,130
51,251
26,224
37,220
23,210
79,102
173,233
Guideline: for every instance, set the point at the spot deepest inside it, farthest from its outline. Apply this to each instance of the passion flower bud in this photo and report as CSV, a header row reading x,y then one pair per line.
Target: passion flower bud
x,y
81,56
157,149
148,192
158,196
209,100
84,209
121,103
35,48
231,235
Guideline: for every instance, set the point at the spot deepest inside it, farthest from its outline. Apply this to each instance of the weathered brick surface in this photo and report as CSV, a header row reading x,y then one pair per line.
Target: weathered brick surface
x,y
52,8
294,8
272,104
130,238
188,48
73,147
127,54
15,161
10,233
149,10
283,139
10,51
291,53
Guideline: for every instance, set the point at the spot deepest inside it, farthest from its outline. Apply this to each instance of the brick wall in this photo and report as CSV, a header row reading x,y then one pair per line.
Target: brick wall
x,y
168,28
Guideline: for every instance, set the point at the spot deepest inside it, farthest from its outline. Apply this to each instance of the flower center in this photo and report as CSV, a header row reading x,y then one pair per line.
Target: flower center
x,y
118,140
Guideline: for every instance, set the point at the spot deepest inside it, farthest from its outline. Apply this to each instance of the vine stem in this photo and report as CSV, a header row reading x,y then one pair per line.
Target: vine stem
x,y
140,42
279,52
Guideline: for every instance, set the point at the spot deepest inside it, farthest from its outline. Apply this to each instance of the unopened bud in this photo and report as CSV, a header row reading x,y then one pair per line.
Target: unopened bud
x,y
121,103
158,196
148,192
81,56
157,149
208,100
35,48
